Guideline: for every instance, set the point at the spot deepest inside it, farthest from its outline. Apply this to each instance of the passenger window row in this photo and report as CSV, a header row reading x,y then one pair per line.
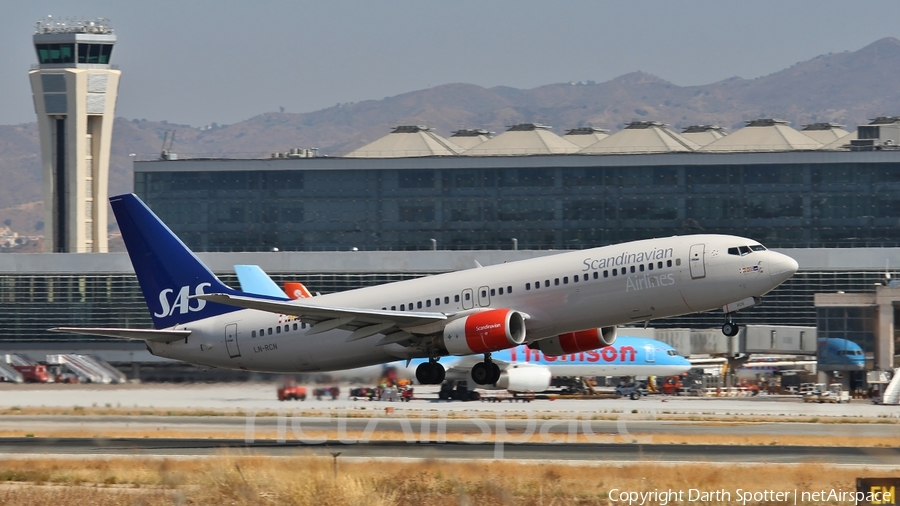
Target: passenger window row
x,y
596,274
277,330
621,271
446,301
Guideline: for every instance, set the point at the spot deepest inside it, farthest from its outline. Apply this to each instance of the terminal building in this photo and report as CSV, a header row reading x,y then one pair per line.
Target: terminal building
x,y
414,204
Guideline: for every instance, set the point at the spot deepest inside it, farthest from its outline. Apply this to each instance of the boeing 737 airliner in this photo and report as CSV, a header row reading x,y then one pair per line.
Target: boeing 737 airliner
x,y
559,304
522,369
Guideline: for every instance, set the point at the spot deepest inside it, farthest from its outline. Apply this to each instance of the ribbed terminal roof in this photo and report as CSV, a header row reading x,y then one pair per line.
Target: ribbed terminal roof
x,y
585,136
524,139
825,133
764,135
703,134
885,120
642,137
407,141
840,144
469,138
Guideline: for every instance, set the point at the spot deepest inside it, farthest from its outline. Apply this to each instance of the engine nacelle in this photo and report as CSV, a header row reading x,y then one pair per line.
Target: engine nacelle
x,y
524,378
576,342
492,330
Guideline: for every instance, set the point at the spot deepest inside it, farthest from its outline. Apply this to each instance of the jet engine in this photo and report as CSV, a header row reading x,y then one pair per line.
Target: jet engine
x,y
576,342
492,330
524,378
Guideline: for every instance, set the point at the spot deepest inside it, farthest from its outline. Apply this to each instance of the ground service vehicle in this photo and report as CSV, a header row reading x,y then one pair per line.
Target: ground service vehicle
x,y
290,392
834,393
33,373
633,390
672,385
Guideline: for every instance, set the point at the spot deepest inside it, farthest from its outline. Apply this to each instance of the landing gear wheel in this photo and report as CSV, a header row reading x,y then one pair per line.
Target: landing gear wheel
x,y
423,373
430,373
485,373
482,373
730,329
495,371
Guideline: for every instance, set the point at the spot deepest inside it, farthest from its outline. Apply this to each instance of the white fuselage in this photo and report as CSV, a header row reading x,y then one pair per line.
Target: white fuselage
x,y
689,274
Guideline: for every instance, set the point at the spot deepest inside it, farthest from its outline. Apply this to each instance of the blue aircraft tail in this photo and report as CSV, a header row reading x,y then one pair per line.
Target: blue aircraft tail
x,y
168,272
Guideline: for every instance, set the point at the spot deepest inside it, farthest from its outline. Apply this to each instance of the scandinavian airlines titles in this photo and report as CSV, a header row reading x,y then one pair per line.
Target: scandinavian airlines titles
x,y
626,258
640,281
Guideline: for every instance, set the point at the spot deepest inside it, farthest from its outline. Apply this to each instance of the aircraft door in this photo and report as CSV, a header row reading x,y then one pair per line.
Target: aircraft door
x,y
231,340
650,351
468,299
484,296
697,261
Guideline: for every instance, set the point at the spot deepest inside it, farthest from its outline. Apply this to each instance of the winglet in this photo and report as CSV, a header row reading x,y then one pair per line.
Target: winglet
x,y
254,280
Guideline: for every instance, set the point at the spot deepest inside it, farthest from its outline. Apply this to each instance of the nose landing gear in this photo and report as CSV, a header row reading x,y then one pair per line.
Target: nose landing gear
x,y
487,372
730,328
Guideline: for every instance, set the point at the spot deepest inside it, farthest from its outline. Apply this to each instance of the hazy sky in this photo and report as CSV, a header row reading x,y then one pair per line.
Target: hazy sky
x,y
198,62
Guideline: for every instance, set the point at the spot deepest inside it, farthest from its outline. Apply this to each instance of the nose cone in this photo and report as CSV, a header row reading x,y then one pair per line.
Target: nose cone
x,y
680,365
781,267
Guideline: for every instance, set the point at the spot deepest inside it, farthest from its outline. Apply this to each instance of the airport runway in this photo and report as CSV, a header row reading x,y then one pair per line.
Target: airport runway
x,y
628,423
261,396
626,434
529,451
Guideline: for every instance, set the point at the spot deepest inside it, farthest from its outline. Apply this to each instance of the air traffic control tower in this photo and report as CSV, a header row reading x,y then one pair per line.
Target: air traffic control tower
x,y
75,90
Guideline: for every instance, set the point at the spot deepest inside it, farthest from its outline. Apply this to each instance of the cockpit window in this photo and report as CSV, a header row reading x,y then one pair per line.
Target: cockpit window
x,y
671,353
746,250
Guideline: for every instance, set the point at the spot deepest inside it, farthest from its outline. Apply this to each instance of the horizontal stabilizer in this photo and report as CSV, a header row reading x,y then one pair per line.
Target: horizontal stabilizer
x,y
157,336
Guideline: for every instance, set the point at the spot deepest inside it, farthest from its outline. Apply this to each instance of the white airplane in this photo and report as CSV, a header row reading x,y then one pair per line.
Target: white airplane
x,y
522,369
560,304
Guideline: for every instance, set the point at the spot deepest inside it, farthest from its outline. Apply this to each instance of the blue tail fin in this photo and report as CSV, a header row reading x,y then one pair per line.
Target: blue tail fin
x,y
167,270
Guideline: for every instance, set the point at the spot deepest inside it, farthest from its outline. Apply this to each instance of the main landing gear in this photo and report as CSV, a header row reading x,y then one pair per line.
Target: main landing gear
x,y
487,372
730,328
430,373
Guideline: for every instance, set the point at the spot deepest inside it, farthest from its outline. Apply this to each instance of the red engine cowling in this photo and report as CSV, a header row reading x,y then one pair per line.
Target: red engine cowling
x,y
576,342
492,330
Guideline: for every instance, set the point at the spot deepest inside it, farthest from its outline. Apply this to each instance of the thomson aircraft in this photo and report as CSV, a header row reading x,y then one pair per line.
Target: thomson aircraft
x,y
527,370
559,304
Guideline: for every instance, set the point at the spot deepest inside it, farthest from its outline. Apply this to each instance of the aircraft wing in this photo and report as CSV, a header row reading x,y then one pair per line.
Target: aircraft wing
x,y
157,336
363,322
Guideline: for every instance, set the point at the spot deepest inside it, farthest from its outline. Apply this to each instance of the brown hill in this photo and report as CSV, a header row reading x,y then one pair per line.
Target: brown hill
x,y
847,87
